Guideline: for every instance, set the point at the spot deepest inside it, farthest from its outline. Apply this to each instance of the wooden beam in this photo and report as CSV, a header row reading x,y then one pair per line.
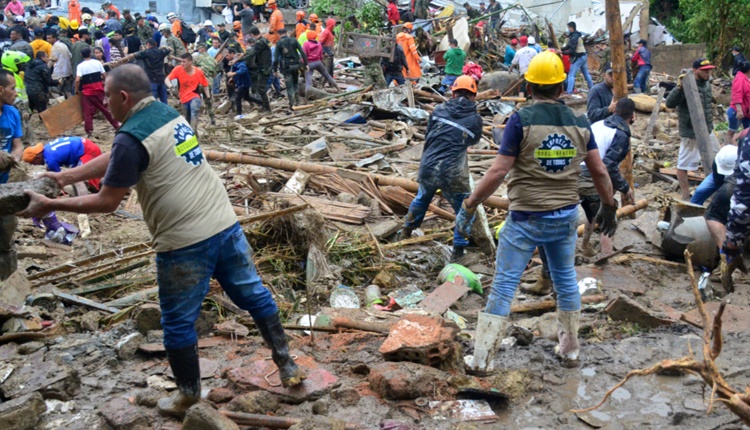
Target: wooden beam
x,y
698,119
645,20
654,115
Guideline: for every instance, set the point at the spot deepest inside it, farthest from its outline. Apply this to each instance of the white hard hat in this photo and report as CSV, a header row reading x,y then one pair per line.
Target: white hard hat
x,y
99,22
18,18
532,40
171,15
85,16
726,159
208,23
164,26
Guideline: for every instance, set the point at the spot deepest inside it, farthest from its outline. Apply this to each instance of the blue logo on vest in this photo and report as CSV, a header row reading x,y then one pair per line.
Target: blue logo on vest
x,y
555,153
186,145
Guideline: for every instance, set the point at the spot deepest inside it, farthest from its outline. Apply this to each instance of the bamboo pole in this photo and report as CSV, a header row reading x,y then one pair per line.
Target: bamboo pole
x,y
291,166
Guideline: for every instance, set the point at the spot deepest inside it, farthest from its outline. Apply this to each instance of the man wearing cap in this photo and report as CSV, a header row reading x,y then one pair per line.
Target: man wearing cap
x,y
601,104
275,22
737,60
454,64
84,41
222,32
206,33
482,8
143,30
523,56
302,24
642,59
533,44
406,40
176,28
107,7
127,21
453,127
578,58
174,44
290,59
510,52
66,152
542,148
689,156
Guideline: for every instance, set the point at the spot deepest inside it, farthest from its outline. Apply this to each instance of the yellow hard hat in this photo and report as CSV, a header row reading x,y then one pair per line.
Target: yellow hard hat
x,y
74,24
545,68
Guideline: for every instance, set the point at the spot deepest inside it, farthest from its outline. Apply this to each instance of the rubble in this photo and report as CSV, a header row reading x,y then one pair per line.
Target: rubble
x,y
425,340
120,414
406,381
13,198
22,413
625,309
203,417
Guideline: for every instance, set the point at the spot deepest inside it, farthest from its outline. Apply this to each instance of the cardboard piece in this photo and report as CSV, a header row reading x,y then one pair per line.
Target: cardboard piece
x,y
62,117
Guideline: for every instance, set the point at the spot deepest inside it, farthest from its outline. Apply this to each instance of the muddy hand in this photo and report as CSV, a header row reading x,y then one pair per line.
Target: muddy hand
x,y
38,205
464,220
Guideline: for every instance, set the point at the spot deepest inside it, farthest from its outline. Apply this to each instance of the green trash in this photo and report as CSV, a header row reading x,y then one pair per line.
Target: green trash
x,y
452,271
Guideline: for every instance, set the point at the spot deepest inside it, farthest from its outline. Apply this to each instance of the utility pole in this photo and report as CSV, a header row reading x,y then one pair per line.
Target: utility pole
x,y
645,20
619,73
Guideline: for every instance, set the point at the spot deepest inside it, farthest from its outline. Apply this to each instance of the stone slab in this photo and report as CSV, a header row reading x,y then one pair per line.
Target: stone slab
x,y
736,319
318,383
13,199
443,297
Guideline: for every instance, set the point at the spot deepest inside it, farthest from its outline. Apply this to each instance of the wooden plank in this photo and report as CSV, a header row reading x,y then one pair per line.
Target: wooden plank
x,y
338,211
62,117
71,298
698,119
655,115
404,198
693,176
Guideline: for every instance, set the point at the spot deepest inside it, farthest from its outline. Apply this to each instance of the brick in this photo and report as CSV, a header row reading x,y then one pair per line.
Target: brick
x,y
422,339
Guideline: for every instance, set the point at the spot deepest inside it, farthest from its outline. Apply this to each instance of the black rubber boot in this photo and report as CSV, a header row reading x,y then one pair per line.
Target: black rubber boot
x,y
458,253
187,376
273,335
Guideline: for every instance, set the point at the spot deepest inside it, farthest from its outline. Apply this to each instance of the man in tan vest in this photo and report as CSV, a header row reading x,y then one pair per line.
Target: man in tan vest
x,y
195,232
542,148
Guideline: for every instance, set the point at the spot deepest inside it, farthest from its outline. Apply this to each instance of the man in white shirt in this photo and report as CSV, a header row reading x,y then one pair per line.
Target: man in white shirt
x,y
62,68
523,58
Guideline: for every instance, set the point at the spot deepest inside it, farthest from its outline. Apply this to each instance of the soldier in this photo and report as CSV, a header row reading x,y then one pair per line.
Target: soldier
x,y
260,65
290,58
206,63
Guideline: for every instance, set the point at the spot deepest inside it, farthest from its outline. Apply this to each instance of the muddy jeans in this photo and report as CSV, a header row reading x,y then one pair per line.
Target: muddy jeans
x,y
421,203
8,262
183,276
518,238
192,109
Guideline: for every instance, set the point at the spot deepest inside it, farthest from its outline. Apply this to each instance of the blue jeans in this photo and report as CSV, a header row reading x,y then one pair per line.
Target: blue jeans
x,y
641,78
582,64
705,190
273,80
515,248
398,77
447,82
734,123
192,109
183,277
217,83
159,91
421,203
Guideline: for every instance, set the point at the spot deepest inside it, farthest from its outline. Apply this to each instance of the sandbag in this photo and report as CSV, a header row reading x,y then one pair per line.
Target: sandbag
x,y
645,103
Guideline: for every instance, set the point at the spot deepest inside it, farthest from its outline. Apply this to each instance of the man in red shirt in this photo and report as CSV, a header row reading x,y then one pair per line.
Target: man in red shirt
x,y
393,15
90,82
327,41
190,79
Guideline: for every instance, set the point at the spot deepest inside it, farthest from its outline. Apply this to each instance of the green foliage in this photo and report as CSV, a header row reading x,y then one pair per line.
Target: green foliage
x,y
368,13
720,24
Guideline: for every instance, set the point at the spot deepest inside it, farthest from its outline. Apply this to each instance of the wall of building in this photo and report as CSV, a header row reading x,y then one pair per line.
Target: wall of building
x,y
671,59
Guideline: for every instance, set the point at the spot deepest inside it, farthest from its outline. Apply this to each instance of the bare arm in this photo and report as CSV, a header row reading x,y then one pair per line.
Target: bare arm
x,y
600,176
17,148
95,168
105,201
492,180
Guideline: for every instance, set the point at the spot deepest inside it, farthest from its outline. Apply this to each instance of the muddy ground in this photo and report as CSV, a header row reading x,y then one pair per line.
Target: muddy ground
x,y
541,392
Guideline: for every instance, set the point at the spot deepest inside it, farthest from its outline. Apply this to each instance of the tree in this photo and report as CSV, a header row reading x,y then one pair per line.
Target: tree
x,y
367,17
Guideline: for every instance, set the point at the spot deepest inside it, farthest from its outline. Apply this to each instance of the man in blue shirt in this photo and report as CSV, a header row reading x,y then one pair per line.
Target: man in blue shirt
x,y
69,152
241,77
11,132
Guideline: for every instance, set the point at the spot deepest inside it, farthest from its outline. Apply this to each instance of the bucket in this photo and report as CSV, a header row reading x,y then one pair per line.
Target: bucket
x,y
470,279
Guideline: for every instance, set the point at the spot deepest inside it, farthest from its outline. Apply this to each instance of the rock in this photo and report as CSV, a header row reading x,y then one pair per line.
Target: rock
x,y
320,407
149,397
385,279
363,199
89,321
375,210
205,323
203,417
523,336
52,379
128,346
316,150
147,318
385,228
346,198
13,198
545,325
500,81
30,348
155,336
625,309
15,289
255,402
33,251
122,415
406,381
515,383
347,396
220,395
22,413
160,383
208,368
318,422
423,339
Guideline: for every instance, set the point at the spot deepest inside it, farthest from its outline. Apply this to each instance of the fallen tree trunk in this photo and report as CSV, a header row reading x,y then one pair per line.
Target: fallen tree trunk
x,y
291,166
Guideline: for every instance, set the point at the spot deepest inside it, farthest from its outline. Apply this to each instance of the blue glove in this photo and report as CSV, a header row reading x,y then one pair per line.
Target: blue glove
x,y
464,220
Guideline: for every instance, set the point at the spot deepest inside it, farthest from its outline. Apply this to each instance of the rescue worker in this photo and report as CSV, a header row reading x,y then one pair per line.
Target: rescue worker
x,y
542,148
195,238
290,59
15,62
176,28
66,152
107,6
260,65
689,157
11,150
128,21
275,22
209,67
240,77
327,40
394,70
37,79
143,30
453,127
600,103
406,40
302,24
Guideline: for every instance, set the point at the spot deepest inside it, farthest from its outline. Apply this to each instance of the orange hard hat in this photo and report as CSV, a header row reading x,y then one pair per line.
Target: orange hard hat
x,y
464,82
409,25
314,17
30,153
300,14
237,25
312,35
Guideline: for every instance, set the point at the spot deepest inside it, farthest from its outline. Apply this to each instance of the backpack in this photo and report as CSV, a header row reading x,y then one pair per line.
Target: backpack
x,y
187,35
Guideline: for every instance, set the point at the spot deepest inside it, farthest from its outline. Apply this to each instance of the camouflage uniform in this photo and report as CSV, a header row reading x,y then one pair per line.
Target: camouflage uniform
x,y
209,67
373,73
738,223
145,33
